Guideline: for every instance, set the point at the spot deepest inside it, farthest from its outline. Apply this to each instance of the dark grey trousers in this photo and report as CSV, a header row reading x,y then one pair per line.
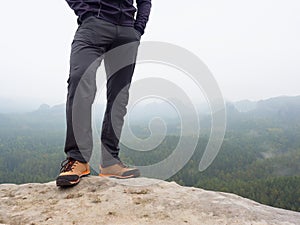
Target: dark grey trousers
x,y
96,39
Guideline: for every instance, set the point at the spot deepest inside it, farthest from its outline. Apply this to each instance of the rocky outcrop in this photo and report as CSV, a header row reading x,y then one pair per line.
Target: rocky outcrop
x,y
139,201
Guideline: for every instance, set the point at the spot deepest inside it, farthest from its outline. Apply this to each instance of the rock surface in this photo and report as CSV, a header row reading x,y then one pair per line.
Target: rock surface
x,y
139,201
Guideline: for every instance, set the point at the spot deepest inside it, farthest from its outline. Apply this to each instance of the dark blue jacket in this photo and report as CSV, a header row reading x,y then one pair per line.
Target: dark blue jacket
x,y
120,12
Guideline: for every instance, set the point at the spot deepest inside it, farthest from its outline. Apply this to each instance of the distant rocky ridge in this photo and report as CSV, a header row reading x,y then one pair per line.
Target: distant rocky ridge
x,y
282,108
8,106
135,201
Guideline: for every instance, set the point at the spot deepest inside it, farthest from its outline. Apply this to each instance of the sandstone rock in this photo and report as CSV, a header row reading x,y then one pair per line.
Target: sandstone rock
x,y
139,201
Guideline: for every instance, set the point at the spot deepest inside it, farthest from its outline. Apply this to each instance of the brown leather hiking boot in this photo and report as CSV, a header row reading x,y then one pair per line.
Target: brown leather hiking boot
x,y
119,170
71,171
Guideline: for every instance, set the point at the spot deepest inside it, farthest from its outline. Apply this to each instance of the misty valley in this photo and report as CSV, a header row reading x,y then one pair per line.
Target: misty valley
x,y
259,158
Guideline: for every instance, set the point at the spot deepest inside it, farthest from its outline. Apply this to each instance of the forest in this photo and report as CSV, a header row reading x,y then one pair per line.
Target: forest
x,y
259,158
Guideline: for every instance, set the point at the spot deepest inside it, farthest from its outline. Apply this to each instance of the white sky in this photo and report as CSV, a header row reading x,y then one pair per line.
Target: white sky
x,y
251,47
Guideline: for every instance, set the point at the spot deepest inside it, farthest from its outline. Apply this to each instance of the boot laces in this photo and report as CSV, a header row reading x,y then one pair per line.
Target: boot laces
x,y
68,165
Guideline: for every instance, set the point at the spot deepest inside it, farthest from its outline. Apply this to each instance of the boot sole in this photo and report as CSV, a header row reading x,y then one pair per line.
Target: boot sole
x,y
133,175
64,182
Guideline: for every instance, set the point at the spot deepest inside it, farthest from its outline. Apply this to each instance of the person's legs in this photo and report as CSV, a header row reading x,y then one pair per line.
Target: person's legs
x,y
91,41
119,65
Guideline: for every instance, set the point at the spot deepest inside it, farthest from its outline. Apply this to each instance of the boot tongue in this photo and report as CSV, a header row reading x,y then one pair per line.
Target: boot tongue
x,y
123,165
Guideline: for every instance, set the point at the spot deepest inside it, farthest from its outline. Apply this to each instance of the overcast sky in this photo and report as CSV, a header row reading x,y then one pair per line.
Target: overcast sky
x,y
251,47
